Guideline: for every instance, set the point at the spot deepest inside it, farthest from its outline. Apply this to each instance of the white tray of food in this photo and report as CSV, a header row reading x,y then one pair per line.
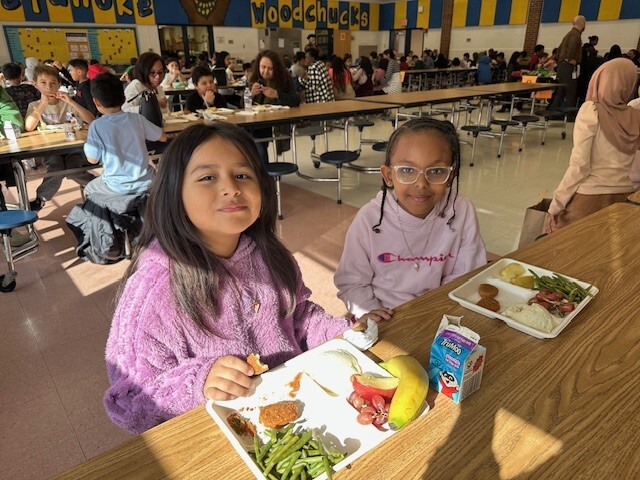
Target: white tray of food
x,y
494,284
318,381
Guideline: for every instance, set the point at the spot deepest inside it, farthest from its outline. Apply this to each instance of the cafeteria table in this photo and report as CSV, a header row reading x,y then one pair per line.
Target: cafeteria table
x,y
550,409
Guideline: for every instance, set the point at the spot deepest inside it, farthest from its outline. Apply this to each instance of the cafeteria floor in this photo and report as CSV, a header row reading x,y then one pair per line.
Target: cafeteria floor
x,y
55,324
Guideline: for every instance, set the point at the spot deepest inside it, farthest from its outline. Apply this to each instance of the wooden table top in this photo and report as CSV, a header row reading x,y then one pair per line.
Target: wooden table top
x,y
558,408
423,97
510,87
634,197
441,70
306,111
36,143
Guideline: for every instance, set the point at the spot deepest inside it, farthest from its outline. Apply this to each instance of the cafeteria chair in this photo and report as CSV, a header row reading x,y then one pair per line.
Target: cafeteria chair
x,y
523,120
338,158
475,130
10,219
313,131
276,171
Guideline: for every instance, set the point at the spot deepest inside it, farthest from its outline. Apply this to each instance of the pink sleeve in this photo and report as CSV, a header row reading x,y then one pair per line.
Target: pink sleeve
x,y
584,132
151,375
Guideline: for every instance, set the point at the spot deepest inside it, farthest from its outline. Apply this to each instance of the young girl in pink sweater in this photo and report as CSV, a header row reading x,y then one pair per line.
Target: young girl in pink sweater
x,y
416,234
211,283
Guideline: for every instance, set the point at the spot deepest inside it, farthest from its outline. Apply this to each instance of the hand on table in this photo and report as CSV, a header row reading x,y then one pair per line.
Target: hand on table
x,y
229,378
550,223
378,315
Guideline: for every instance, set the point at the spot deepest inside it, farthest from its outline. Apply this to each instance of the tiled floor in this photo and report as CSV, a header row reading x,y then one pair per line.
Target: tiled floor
x,y
54,325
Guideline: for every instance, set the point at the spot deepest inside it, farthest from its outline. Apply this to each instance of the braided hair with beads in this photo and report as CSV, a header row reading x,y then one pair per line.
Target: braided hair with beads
x,y
449,133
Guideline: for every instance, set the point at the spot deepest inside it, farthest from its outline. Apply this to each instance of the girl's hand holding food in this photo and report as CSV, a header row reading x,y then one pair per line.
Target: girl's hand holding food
x,y
229,378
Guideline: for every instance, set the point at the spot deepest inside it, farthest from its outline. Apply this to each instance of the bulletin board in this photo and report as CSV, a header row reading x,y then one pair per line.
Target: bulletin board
x,y
107,45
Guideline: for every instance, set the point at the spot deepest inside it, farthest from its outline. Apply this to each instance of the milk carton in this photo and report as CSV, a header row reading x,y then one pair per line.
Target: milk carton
x,y
457,360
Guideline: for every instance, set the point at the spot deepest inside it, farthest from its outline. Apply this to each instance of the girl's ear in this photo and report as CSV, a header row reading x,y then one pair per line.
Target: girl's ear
x,y
385,170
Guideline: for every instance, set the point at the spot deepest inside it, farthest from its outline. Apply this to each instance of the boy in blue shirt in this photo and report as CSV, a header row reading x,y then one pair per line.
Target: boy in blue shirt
x,y
118,140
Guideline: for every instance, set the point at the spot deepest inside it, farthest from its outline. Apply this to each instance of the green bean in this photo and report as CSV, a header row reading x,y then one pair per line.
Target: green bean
x,y
265,448
287,472
325,461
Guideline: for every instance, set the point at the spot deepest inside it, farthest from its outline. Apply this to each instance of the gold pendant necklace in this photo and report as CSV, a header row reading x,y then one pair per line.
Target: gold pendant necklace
x,y
416,265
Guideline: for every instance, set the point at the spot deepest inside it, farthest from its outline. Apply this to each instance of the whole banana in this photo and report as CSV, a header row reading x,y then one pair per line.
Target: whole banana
x,y
412,390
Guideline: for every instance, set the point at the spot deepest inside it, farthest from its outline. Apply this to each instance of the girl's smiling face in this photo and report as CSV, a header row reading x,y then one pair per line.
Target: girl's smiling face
x,y
221,194
419,150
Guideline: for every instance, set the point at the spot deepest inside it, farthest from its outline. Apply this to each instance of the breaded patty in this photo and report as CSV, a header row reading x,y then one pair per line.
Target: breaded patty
x,y
487,291
279,414
489,303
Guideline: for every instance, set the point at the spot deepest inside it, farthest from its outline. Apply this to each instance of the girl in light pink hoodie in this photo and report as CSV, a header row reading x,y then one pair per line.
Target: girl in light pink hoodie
x,y
418,232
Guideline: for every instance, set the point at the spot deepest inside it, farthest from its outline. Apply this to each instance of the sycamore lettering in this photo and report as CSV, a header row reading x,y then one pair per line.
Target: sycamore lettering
x,y
124,8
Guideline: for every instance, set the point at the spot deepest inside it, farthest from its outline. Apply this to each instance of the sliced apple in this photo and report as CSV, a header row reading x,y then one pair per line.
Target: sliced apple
x,y
369,384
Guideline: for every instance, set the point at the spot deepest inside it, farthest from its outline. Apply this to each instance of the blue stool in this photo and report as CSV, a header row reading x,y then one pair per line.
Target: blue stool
x,y
276,170
10,219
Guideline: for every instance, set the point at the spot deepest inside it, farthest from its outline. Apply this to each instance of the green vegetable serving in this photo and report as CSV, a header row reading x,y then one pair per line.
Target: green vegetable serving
x,y
559,284
289,455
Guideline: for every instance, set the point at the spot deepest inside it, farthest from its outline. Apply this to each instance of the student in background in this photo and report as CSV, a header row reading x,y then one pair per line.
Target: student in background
x,y
54,108
341,80
271,83
363,78
418,233
224,60
95,68
117,141
21,93
78,69
148,74
173,75
606,137
206,93
127,76
210,284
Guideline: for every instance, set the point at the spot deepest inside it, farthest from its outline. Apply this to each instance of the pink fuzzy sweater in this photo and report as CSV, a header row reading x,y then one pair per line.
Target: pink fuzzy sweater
x,y
158,358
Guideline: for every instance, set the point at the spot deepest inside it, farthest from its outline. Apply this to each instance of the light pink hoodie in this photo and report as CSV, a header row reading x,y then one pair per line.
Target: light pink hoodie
x,y
378,269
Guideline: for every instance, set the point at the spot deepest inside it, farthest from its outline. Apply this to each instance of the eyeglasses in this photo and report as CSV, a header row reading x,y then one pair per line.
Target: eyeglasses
x,y
434,175
156,73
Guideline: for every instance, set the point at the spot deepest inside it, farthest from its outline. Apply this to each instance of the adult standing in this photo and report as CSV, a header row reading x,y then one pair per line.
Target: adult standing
x,y
606,137
316,82
311,42
569,56
271,83
148,74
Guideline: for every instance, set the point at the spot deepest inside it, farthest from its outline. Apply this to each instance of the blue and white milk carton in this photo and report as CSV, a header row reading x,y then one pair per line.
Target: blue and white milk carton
x,y
457,360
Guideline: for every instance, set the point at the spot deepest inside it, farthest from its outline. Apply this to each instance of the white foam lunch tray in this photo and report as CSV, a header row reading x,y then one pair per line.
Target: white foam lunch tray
x,y
510,295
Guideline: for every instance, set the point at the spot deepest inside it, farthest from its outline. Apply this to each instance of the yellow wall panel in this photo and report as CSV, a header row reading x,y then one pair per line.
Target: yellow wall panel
x,y
399,14
148,20
104,16
519,10
282,22
333,17
569,9
487,12
609,10
60,14
16,15
310,6
374,16
459,13
117,45
423,17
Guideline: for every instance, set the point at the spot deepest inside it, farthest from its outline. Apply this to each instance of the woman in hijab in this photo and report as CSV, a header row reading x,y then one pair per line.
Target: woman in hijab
x,y
606,137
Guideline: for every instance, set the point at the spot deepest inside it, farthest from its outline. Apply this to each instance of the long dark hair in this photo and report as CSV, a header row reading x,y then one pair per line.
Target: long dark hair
x,y
339,71
425,124
195,271
365,64
144,65
281,76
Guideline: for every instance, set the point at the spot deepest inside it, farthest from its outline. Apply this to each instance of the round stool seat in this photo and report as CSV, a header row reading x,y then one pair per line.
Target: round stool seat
x,y
525,118
277,169
362,122
379,146
549,114
310,131
504,123
339,157
475,129
16,218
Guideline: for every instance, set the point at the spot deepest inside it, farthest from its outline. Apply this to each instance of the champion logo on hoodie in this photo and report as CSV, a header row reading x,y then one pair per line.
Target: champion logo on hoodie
x,y
388,257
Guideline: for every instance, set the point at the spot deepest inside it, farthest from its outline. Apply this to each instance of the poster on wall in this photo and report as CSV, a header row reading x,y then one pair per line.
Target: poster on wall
x,y
78,43
107,45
